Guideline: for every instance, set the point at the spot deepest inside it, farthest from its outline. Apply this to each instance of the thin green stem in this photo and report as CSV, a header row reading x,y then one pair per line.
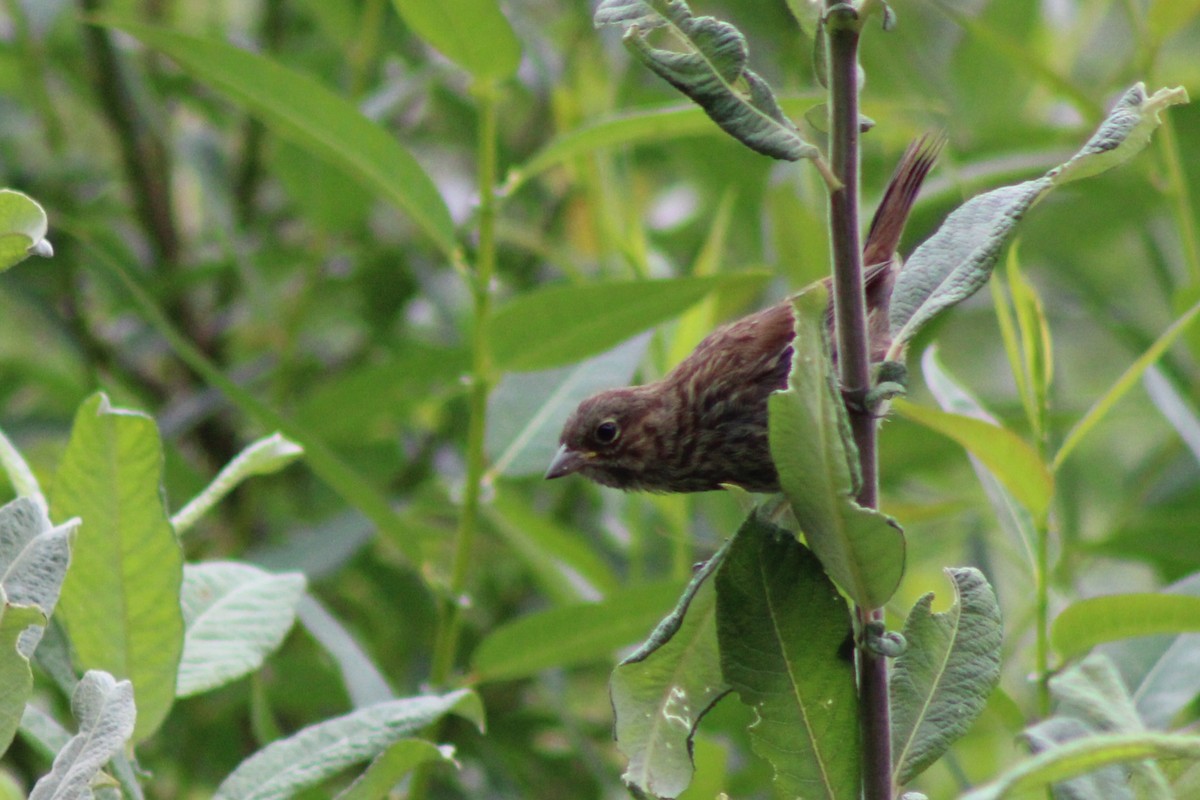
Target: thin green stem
x,y
843,27
446,644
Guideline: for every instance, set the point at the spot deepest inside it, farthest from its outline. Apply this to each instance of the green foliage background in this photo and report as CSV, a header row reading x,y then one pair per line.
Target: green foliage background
x,y
346,317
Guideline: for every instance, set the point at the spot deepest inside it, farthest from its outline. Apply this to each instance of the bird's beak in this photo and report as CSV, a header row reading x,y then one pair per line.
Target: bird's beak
x,y
565,462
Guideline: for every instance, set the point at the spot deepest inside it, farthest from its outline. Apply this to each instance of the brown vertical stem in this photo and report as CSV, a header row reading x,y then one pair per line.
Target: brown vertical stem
x,y
843,28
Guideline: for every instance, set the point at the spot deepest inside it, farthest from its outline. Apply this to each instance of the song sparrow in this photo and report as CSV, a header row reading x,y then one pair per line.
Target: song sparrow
x,y
705,423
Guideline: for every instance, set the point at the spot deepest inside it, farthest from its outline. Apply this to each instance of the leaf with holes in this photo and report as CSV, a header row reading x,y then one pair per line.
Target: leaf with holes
x,y
660,692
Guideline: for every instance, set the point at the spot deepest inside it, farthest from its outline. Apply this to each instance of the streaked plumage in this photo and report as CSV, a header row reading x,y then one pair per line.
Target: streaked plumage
x,y
705,423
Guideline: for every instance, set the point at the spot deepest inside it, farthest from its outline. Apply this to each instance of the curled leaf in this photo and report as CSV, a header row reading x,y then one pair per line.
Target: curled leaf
x,y
710,68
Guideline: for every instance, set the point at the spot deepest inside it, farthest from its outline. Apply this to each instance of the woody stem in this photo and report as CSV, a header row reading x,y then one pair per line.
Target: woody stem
x,y
843,27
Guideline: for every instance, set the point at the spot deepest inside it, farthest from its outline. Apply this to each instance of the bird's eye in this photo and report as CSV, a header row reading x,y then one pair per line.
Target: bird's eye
x,y
607,432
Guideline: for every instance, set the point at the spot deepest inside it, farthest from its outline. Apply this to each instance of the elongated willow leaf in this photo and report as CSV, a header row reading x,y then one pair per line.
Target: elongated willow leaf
x,y
710,68
390,767
263,457
236,616
1005,454
1087,623
1084,755
1094,728
861,549
957,260
311,755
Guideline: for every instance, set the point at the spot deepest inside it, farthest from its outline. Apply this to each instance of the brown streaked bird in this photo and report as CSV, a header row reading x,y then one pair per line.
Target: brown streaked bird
x,y
705,423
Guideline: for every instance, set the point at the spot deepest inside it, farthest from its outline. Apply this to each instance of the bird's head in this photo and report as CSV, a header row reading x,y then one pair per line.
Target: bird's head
x,y
610,438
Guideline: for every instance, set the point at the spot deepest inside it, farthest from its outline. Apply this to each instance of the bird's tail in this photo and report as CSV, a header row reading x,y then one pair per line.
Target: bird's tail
x,y
883,237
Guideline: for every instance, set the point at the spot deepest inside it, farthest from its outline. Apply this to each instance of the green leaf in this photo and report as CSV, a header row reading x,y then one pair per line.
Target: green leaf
x,y
558,325
1161,670
304,759
472,33
304,111
1110,782
1087,623
1084,755
1093,691
941,683
568,567
711,70
22,229
1005,454
120,599
16,677
527,410
33,561
660,692
786,648
1123,384
235,616
1123,134
105,710
1027,342
392,765
953,263
263,457
571,635
862,550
